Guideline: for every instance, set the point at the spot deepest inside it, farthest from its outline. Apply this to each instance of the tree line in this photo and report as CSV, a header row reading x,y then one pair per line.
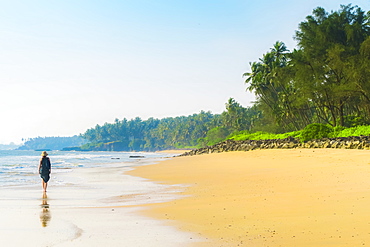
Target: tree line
x,y
190,131
326,79
51,143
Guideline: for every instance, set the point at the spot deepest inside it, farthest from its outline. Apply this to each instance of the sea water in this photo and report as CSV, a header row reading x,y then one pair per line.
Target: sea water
x,y
20,168
80,199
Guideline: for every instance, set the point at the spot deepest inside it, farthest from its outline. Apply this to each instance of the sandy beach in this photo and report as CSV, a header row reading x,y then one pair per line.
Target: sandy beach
x,y
299,197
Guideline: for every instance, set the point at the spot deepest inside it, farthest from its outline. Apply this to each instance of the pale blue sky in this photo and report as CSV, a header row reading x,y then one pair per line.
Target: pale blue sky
x,y
69,65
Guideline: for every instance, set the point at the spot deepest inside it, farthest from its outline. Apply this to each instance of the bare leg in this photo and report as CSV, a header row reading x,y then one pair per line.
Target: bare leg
x,y
44,185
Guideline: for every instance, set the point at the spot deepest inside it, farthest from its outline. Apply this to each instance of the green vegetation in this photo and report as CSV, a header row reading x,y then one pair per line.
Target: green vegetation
x,y
180,132
260,135
353,131
325,80
51,143
315,131
214,136
320,89
312,131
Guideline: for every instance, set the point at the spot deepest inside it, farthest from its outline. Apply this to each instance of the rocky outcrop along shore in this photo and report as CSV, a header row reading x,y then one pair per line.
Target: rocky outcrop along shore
x,y
353,142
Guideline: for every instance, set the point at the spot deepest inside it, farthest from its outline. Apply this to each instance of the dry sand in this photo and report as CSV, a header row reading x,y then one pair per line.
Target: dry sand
x,y
300,197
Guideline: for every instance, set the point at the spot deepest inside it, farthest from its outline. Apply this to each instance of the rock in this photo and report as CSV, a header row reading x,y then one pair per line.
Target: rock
x,y
354,142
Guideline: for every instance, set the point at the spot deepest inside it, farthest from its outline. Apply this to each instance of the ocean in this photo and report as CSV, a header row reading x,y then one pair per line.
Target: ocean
x,y
86,204
19,168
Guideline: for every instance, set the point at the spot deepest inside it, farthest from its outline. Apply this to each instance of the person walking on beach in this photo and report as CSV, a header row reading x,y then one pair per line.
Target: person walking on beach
x,y
44,169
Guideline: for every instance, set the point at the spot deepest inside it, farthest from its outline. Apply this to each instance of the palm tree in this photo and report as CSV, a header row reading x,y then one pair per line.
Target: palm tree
x,y
270,86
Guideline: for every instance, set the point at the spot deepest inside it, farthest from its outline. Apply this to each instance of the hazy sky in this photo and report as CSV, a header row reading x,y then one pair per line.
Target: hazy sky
x,y
68,65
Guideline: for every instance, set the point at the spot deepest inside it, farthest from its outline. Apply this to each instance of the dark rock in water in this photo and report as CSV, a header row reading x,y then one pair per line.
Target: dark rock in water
x,y
115,158
136,156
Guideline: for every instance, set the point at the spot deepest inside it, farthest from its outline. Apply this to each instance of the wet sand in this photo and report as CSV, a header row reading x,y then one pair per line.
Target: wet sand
x,y
97,208
300,197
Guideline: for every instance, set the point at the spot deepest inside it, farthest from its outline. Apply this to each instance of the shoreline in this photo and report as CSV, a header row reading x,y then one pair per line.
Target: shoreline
x,y
89,210
278,197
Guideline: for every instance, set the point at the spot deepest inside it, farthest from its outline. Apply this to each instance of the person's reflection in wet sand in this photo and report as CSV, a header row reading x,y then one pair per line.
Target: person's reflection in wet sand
x,y
45,213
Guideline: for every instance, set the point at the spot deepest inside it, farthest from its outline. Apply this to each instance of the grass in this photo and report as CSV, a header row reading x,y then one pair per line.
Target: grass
x,y
336,132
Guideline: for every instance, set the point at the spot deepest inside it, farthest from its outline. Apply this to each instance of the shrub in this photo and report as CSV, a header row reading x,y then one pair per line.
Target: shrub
x,y
354,131
315,131
214,136
259,135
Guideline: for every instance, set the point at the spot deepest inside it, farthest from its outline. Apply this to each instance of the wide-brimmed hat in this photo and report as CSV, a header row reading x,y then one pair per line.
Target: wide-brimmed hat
x,y
44,153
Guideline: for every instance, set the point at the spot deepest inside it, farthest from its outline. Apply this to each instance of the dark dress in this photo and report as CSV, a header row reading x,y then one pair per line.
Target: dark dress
x,y
45,169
